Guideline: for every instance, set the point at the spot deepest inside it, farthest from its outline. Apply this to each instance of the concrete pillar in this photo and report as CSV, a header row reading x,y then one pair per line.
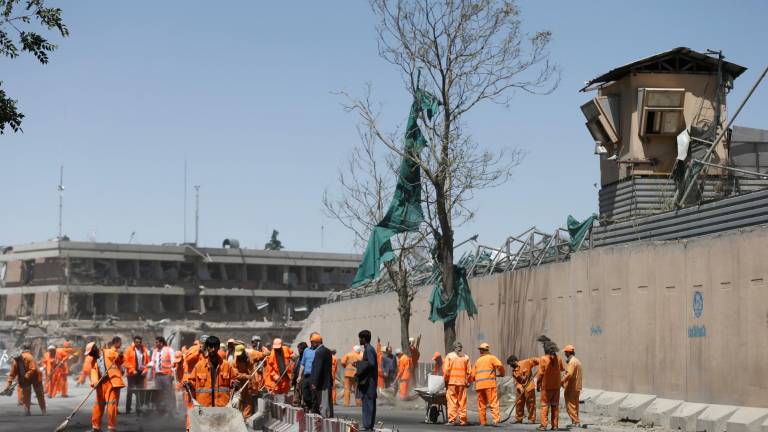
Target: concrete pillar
x,y
223,270
136,270
110,303
303,275
264,272
12,305
286,275
222,304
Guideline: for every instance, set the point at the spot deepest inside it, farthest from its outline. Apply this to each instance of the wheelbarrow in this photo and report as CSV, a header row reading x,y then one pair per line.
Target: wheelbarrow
x,y
436,404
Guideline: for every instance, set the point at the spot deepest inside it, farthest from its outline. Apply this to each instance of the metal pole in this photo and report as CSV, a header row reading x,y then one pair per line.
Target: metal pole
x,y
185,200
61,198
197,212
678,203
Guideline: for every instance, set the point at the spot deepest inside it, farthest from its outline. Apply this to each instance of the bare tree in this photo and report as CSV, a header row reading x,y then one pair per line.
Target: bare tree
x,y
366,186
470,51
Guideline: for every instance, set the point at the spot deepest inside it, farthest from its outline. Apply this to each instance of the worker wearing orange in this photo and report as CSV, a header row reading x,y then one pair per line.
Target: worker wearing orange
x,y
415,355
525,388
572,384
63,355
379,352
257,354
334,375
277,372
456,373
484,374
194,355
24,370
437,364
211,379
404,369
548,384
348,362
136,363
88,363
242,369
49,365
108,363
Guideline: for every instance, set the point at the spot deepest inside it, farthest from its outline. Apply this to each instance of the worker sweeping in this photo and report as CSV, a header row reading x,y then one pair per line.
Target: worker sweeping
x,y
379,353
525,388
414,355
334,375
404,369
24,370
484,374
277,372
211,379
88,363
548,383
107,390
457,373
348,362
242,370
63,355
49,366
572,384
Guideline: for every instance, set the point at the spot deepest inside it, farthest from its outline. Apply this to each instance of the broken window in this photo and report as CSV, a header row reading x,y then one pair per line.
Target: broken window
x,y
602,114
661,111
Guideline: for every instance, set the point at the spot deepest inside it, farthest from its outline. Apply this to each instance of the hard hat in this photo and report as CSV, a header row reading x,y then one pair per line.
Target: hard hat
x,y
203,338
358,349
239,349
484,346
89,347
66,344
436,356
569,348
398,351
277,343
315,337
51,347
411,340
256,338
230,341
223,346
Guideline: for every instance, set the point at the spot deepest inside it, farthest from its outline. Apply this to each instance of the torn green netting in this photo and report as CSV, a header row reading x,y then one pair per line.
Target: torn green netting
x,y
579,230
404,213
461,300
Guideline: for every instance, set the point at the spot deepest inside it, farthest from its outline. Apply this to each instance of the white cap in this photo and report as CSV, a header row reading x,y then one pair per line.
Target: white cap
x,y
398,351
358,349
411,340
51,347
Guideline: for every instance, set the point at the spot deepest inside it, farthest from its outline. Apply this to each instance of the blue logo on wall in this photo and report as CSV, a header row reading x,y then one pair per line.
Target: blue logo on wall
x,y
698,304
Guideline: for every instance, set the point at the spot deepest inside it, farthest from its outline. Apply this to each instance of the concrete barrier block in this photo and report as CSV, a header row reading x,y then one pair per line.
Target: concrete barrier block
x,y
715,417
635,405
587,399
658,412
684,418
747,419
764,427
607,404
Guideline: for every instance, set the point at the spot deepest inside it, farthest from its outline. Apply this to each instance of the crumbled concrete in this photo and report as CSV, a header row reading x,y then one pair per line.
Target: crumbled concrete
x,y
714,418
607,404
659,412
684,418
764,427
587,399
747,419
634,406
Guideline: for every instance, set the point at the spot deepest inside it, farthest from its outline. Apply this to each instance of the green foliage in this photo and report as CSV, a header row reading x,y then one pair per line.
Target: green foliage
x,y
15,37
274,243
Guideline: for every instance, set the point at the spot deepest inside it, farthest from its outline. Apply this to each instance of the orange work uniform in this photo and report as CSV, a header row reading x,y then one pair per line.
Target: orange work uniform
x,y
549,383
108,390
242,368
404,368
62,370
257,358
207,392
572,386
277,380
85,373
24,369
525,389
49,365
379,353
456,373
348,363
484,374
437,364
334,374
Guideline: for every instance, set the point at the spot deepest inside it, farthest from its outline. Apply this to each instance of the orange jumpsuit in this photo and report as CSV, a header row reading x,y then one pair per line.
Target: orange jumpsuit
x,y
549,383
30,378
487,368
86,370
456,373
108,391
380,383
257,357
49,364
272,373
437,364
334,374
525,389
348,363
62,371
572,386
404,368
207,392
415,356
242,368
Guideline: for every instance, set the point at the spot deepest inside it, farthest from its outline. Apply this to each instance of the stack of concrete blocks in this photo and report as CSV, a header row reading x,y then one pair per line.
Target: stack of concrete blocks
x,y
674,414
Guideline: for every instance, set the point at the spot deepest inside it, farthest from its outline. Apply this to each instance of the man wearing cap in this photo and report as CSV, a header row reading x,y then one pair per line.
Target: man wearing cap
x,y
487,368
572,384
366,376
277,373
210,381
414,356
320,379
242,369
49,365
348,362
548,384
456,373
63,355
24,370
403,372
525,388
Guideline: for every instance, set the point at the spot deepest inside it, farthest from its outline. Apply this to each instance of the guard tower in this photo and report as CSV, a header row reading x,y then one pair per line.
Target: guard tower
x,y
636,118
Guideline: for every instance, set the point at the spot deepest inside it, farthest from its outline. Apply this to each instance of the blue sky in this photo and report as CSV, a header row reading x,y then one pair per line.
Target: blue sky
x,y
244,94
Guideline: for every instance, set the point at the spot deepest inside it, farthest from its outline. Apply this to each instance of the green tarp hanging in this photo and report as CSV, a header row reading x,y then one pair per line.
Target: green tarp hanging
x,y
461,300
404,213
579,230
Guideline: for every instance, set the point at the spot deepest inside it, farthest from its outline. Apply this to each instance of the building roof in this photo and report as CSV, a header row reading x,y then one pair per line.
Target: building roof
x,y
677,60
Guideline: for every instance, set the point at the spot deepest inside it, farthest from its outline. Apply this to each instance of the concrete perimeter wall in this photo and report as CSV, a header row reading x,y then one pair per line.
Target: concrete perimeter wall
x,y
680,320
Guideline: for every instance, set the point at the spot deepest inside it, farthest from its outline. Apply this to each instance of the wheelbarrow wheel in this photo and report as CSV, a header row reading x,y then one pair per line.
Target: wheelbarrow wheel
x,y
434,412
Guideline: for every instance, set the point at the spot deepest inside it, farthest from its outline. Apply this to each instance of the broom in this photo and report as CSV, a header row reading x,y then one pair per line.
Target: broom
x,y
65,424
235,399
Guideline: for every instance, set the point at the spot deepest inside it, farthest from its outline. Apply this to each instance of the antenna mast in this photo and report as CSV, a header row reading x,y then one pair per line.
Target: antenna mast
x,y
61,198
197,211
185,200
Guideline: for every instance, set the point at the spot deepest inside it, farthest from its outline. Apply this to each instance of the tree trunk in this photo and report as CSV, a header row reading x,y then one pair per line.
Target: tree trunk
x,y
449,334
404,308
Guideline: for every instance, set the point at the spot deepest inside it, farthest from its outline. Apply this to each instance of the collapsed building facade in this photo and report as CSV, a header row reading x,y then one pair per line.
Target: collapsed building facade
x,y
104,286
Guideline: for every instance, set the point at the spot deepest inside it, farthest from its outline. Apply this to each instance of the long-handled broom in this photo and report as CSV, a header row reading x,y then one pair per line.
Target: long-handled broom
x,y
235,399
65,424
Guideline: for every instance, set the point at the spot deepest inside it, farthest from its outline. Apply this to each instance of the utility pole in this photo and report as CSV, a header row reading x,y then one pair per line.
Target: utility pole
x,y
185,200
61,198
197,212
